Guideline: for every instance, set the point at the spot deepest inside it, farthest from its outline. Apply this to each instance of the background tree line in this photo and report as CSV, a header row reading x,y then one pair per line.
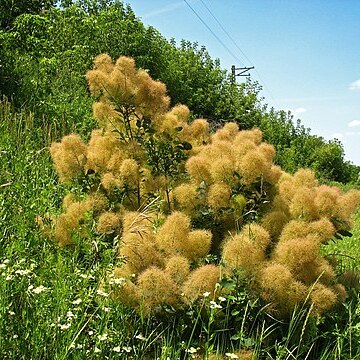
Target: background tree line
x,y
47,46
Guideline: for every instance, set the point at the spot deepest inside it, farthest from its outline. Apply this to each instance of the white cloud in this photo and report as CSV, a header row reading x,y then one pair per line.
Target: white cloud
x,y
163,10
354,123
296,111
355,85
300,110
350,133
308,99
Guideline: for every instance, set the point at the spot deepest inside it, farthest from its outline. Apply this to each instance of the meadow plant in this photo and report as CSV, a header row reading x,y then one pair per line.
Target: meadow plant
x,y
190,207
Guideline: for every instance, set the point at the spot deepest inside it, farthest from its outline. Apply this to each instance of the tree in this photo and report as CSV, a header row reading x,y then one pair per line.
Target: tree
x,y
11,9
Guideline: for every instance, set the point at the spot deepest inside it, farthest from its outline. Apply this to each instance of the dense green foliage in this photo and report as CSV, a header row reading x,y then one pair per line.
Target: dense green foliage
x,y
47,49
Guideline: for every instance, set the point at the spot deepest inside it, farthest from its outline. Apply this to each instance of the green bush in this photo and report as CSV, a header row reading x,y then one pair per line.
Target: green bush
x,y
179,197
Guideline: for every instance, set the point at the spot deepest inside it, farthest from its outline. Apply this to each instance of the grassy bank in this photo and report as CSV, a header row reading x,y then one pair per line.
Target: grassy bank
x,y
51,306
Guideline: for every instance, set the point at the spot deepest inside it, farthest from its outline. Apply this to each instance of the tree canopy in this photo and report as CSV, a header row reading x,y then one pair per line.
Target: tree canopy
x,y
47,46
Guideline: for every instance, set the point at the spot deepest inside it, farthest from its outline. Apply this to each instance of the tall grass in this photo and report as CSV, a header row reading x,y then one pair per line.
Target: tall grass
x,y
51,307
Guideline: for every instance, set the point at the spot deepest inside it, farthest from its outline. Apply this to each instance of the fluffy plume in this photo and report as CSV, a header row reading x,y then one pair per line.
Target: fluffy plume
x,y
172,235
302,204
198,244
70,220
295,229
274,222
200,281
232,128
278,286
219,195
108,222
305,177
252,166
137,222
257,234
68,200
226,133
151,95
126,292
348,203
297,253
324,229
111,182
222,170
139,251
156,288
130,171
178,267
274,175
198,169
325,200
197,132
101,147
241,253
186,196
255,136
322,298
69,157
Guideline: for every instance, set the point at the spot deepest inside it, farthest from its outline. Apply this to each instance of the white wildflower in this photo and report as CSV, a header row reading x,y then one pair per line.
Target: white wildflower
x,y
116,281
30,287
23,272
8,278
2,266
77,302
221,298
97,350
90,332
106,309
84,276
70,315
102,293
64,326
103,337
192,350
39,289
231,355
214,305
206,294
11,313
116,349
127,348
140,337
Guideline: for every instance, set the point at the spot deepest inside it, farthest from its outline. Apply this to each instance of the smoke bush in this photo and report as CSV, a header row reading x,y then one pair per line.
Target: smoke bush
x,y
174,193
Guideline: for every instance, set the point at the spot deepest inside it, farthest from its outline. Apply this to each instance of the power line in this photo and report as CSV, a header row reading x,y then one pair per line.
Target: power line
x,y
224,30
212,32
239,49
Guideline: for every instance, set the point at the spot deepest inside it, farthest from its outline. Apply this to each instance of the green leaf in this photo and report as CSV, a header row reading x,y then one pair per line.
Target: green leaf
x,y
344,233
186,146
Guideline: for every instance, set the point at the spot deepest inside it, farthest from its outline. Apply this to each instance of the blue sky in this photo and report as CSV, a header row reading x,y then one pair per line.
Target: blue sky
x,y
306,53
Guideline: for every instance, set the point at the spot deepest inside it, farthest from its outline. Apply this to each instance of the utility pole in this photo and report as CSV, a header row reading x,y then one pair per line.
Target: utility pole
x,y
243,72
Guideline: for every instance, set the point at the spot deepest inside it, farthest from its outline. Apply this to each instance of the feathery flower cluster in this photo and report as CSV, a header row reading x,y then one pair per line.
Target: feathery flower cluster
x,y
304,215
156,266
227,179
